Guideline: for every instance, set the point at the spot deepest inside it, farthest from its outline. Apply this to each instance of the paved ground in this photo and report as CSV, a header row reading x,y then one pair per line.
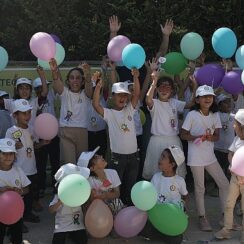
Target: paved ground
x,y
42,233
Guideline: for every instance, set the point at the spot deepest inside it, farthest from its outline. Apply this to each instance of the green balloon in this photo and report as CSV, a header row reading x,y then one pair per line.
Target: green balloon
x,y
191,45
175,63
74,190
144,195
168,219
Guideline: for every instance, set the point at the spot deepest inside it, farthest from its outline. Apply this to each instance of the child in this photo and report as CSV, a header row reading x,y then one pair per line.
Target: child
x,y
12,178
104,182
236,183
171,188
201,130
68,220
122,132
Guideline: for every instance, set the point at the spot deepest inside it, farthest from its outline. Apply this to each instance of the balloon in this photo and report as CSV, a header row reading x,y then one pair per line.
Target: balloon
x,y
46,126
59,57
98,219
74,190
191,45
56,38
240,57
175,63
224,42
116,46
12,207
3,58
133,56
232,82
130,221
43,46
168,219
142,117
144,195
238,161
210,74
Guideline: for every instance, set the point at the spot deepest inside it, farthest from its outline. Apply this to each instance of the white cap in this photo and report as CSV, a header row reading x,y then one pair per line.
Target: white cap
x,y
7,145
23,81
85,157
221,98
68,169
177,154
240,116
204,91
37,82
21,105
120,87
3,93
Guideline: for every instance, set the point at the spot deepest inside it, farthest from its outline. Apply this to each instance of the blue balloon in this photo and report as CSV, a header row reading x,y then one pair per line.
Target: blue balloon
x,y
224,42
240,57
133,56
3,58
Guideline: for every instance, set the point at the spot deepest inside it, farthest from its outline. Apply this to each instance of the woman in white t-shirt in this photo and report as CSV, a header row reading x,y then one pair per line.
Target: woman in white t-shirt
x,y
73,112
201,130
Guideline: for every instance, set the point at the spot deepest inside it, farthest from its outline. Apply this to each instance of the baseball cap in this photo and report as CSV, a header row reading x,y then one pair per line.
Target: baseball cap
x,y
23,81
7,145
21,105
68,169
120,87
221,98
240,116
204,91
177,154
85,157
3,93
37,82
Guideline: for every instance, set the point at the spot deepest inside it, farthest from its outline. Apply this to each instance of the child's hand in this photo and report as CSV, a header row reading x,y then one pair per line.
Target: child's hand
x,y
53,65
227,64
112,65
18,145
40,71
85,67
114,24
168,27
191,65
154,64
99,83
96,76
135,73
155,76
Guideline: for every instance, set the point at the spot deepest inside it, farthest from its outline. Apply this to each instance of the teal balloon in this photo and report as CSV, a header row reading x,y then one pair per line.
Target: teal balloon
x,y
240,57
191,45
224,42
74,190
168,219
175,63
59,56
3,58
144,195
133,56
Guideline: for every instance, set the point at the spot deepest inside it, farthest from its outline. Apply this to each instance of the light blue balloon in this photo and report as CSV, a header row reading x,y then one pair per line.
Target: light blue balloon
x,y
133,56
240,57
224,42
59,56
3,58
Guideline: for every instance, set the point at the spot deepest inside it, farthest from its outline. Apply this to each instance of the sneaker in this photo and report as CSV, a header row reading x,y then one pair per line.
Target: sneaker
x,y
37,207
31,218
235,225
204,224
25,229
222,234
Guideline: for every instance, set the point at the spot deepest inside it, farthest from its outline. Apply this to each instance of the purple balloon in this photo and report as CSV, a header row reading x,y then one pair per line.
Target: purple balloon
x,y
56,38
232,82
130,221
210,74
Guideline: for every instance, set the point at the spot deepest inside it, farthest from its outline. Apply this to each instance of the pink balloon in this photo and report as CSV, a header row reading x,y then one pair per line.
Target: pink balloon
x,y
11,207
237,165
43,46
130,221
116,46
46,126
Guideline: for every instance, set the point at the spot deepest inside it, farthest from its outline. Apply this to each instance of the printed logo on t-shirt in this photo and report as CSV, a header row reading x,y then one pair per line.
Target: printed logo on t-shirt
x,y
172,188
76,219
9,143
129,118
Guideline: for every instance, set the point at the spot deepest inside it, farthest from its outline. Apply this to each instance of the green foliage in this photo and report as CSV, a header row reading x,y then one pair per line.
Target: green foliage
x,y
83,25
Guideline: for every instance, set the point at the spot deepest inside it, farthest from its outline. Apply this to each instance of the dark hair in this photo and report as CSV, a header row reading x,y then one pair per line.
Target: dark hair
x,y
91,164
164,79
16,92
79,70
171,158
214,107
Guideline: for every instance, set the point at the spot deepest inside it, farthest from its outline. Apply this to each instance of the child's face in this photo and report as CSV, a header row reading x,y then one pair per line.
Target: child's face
x,y
165,165
239,129
75,81
7,158
23,118
99,163
225,106
205,102
120,100
24,91
164,91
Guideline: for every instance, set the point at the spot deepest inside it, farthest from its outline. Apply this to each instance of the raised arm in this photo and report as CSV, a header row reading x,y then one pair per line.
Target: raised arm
x,y
42,76
136,87
96,98
114,26
88,84
146,82
194,88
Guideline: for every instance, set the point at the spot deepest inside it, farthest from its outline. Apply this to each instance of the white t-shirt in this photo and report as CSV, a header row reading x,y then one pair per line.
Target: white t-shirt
x,y
198,124
67,218
113,181
25,156
236,144
165,117
169,189
48,105
226,134
73,112
15,177
121,129
95,120
137,119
